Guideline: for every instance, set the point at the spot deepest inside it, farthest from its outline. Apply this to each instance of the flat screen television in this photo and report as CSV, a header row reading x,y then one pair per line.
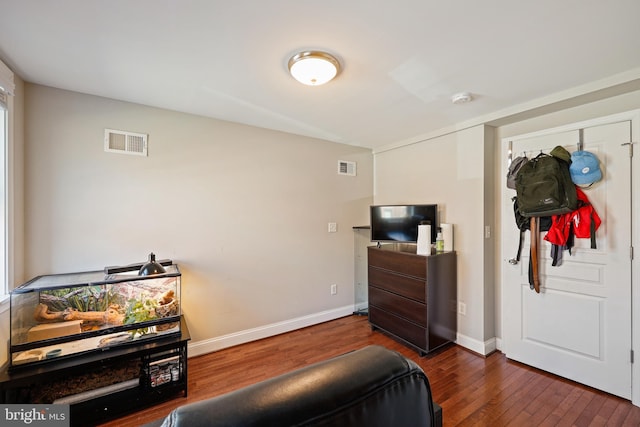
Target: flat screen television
x,y
399,223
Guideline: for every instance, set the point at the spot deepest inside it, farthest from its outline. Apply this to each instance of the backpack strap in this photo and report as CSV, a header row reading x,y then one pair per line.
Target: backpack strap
x,y
535,237
520,240
593,230
556,255
571,239
530,272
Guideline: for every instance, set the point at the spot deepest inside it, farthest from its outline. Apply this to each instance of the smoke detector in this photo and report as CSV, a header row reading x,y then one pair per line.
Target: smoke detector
x,y
462,98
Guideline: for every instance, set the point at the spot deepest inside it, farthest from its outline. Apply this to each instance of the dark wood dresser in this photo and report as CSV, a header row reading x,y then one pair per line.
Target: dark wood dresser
x,y
413,297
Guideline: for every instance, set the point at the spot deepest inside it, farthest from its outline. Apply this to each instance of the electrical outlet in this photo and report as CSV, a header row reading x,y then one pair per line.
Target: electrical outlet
x,y
334,289
462,308
333,227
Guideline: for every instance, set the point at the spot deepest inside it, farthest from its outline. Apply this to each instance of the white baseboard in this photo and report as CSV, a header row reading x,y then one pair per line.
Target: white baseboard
x,y
476,346
198,348
241,337
362,306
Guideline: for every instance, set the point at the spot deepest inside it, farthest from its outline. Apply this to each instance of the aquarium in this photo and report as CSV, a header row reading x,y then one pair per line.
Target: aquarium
x,y
62,315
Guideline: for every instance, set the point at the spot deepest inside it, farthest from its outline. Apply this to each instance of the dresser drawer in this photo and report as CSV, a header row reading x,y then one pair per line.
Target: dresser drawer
x,y
408,264
402,285
399,327
402,307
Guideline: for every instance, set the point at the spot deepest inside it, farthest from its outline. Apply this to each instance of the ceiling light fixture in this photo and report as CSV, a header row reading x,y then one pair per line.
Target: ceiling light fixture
x,y
461,98
313,68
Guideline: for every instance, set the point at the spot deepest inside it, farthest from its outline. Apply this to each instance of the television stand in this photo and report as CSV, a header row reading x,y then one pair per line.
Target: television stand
x,y
413,297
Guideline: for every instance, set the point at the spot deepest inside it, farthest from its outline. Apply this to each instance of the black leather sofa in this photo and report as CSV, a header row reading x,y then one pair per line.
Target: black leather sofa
x,y
372,386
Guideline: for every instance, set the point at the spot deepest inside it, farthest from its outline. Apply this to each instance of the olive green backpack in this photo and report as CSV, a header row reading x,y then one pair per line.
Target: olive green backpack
x,y
544,186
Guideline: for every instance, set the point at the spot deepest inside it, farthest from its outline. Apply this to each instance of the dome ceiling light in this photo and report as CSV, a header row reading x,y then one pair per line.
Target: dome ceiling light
x,y
313,68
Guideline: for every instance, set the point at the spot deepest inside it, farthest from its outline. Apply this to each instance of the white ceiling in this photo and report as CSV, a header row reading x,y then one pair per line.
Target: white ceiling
x,y
402,60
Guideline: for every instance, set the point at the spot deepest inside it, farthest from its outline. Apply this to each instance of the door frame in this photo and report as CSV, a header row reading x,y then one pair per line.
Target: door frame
x,y
506,213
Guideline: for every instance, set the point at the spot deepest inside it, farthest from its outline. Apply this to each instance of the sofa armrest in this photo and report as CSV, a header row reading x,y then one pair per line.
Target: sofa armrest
x,y
372,386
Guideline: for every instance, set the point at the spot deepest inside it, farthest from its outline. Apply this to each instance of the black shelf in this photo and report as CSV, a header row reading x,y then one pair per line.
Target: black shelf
x,y
18,385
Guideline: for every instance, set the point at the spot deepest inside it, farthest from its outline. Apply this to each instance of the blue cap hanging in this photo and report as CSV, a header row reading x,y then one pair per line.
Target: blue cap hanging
x,y
584,168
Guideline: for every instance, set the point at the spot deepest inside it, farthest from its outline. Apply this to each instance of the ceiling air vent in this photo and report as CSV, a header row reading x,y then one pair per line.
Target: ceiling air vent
x,y
346,168
117,141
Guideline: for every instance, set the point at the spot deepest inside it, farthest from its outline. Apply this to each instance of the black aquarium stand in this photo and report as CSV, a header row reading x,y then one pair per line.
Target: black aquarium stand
x,y
153,370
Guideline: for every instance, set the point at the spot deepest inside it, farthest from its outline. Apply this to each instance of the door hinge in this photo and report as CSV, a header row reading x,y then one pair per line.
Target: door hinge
x,y
631,356
631,252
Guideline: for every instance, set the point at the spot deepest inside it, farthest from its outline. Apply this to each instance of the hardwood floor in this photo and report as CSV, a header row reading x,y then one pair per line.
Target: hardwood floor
x,y
472,390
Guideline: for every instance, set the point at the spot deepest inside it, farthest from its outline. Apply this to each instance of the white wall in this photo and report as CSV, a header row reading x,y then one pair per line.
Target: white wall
x,y
450,171
242,210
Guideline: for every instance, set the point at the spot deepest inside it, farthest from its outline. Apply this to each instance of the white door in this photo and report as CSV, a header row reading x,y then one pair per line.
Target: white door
x,y
579,325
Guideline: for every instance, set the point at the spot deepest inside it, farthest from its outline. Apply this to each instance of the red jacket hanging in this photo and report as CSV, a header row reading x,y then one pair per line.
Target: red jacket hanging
x,y
582,223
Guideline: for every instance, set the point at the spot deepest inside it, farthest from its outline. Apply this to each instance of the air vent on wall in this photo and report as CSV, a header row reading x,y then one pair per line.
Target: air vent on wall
x,y
346,168
117,141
